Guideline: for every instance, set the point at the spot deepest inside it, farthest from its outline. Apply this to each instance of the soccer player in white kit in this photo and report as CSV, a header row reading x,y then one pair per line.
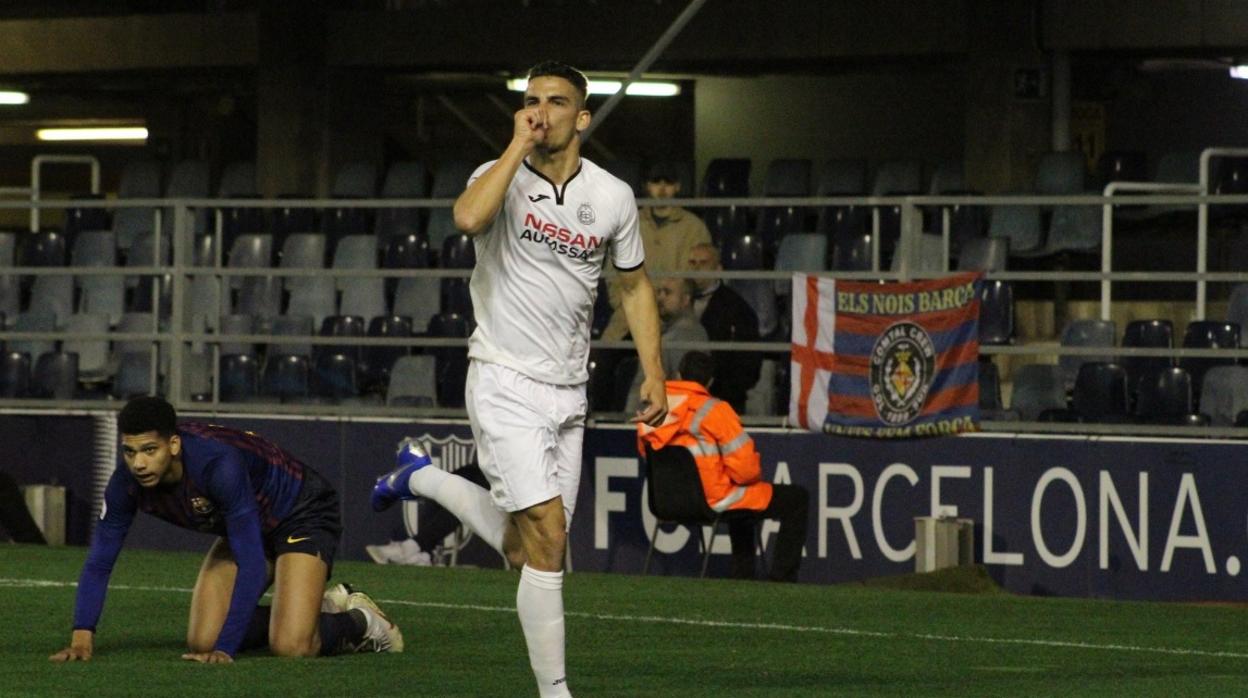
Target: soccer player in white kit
x,y
543,220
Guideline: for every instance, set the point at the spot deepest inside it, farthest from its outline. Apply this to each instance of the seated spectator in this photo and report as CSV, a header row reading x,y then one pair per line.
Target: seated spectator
x,y
675,301
730,471
667,235
727,318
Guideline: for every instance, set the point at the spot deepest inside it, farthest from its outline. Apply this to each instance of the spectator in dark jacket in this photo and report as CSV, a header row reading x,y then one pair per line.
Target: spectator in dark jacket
x,y
726,317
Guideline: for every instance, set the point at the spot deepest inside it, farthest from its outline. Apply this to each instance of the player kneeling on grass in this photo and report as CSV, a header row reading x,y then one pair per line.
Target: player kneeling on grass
x,y
278,524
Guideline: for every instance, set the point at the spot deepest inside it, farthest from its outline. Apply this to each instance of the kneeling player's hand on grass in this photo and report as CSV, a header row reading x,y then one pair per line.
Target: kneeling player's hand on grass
x,y
81,647
213,657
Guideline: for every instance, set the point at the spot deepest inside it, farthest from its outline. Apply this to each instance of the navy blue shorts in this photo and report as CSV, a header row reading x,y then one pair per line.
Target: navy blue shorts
x,y
313,526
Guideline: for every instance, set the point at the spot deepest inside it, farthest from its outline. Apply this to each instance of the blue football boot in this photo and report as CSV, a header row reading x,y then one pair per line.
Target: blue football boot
x,y
392,486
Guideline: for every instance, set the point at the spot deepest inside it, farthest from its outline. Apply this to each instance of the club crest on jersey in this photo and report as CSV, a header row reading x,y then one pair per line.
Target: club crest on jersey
x,y
903,365
585,214
201,505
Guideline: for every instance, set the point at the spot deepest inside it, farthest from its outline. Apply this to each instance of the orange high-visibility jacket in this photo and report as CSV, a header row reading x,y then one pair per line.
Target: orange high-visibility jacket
x,y
712,431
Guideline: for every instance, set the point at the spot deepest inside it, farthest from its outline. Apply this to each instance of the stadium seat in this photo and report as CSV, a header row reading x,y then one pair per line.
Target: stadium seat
x,y
1237,309
967,222
742,253
452,362
894,178
238,179
675,496
1100,393
1037,388
354,252
205,252
1021,225
996,313
53,294
806,252
34,321
1207,334
355,180
852,253
1224,394
724,178
989,386
8,249
343,326
412,382
1164,396
287,220
409,251
1085,333
335,375
984,254
86,217
1074,229
187,180
292,325
1122,166
418,299
316,299
287,377
745,253
93,354
134,323
10,298
94,248
449,182
55,376
237,324
365,298
1155,334
930,255
378,360
342,221
456,297
102,294
458,252
143,253
1061,173
134,375
302,251
14,374
250,252
140,179
784,178
260,296
203,301
405,179
842,178
239,377
46,248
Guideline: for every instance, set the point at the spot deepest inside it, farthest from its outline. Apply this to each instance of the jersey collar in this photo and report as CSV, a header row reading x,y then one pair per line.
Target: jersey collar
x,y
559,191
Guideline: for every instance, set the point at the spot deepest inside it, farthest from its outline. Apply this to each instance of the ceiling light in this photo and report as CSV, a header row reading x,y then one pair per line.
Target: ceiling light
x,y
1240,72
610,87
12,97
125,133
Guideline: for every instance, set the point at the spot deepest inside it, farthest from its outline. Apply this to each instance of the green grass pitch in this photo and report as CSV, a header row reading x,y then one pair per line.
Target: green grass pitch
x,y
631,636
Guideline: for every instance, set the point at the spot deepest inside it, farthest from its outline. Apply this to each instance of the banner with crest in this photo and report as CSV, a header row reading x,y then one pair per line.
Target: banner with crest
x,y
885,360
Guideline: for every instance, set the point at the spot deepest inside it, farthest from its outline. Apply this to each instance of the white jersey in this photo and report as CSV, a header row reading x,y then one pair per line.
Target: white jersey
x,y
538,265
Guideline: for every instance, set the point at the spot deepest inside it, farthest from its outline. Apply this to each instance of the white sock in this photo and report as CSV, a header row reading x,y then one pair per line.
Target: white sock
x,y
468,501
539,603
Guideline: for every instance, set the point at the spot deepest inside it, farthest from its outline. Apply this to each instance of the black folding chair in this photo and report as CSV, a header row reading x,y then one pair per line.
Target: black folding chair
x,y
676,496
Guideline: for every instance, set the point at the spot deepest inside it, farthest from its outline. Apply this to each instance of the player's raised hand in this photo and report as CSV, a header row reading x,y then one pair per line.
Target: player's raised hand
x,y
653,403
213,657
81,647
530,127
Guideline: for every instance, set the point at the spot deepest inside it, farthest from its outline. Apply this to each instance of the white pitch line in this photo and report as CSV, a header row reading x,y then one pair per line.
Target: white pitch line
x,y
1062,644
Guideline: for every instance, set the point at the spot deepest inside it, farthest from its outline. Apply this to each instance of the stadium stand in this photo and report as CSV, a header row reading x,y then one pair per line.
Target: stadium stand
x,y
14,374
412,382
404,180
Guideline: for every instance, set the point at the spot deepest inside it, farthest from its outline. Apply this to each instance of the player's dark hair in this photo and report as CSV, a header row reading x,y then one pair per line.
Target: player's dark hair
x,y
565,71
697,366
148,413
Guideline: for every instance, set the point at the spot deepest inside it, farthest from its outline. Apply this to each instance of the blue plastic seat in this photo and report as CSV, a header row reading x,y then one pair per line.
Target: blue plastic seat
x,y
743,253
335,376
1155,334
842,178
996,313
377,361
405,179
86,217
1164,396
355,252
302,251
286,220
449,181
949,177
451,362
134,375
785,178
852,253
458,252
249,252
55,376
365,298
1100,393
356,180
1086,333
984,254
34,321
260,296
237,324
46,248
1208,334
1237,309
53,294
1223,394
1021,225
412,382
726,177
14,374
287,377
239,377
1037,388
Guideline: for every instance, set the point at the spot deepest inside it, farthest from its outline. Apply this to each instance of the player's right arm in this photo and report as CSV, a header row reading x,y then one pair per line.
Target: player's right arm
x,y
110,533
480,203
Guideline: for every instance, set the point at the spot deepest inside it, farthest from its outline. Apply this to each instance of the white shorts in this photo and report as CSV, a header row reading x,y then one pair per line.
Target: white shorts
x,y
528,434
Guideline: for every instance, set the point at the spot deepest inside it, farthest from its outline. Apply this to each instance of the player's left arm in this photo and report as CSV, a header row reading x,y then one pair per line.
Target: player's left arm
x,y
637,299
230,488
